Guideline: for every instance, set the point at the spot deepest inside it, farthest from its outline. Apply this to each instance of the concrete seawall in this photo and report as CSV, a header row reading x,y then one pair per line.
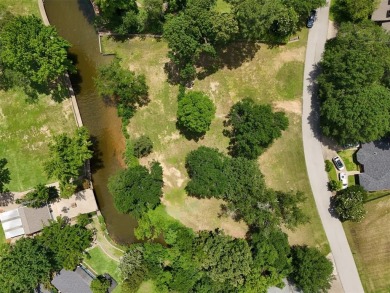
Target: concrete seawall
x,y
75,107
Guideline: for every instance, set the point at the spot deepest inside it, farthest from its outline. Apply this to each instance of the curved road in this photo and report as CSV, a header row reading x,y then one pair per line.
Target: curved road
x,y
345,265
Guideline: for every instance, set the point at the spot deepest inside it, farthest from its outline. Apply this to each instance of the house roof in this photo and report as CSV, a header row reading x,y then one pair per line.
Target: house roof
x,y
375,158
34,219
380,14
82,202
77,281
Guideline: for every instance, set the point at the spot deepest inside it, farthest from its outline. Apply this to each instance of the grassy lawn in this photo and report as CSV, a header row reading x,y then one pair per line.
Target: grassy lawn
x,y
100,263
370,242
332,174
21,7
349,159
256,71
351,180
25,130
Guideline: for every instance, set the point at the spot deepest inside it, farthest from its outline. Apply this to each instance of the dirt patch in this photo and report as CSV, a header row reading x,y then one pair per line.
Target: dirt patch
x,y
289,106
204,214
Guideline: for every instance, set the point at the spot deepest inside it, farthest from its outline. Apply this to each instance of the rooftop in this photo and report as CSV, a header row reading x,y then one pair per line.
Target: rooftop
x,y
77,281
82,202
382,13
375,158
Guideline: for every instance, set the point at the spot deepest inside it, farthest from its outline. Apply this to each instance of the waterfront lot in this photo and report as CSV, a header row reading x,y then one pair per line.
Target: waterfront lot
x,y
256,71
370,242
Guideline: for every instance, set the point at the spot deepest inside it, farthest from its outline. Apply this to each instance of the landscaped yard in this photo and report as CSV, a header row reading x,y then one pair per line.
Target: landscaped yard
x,y
256,71
349,159
21,7
370,242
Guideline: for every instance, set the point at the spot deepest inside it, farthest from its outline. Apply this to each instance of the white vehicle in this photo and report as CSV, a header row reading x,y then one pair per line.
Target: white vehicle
x,y
337,162
344,179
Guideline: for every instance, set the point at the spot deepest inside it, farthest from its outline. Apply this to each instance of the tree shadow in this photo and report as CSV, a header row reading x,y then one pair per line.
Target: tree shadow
x,y
332,207
172,71
231,56
86,8
6,198
97,157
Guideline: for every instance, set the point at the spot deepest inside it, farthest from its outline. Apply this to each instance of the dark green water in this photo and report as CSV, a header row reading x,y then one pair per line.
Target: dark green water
x,y
72,18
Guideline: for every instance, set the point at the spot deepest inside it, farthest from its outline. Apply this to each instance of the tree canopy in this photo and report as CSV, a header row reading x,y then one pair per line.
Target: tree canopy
x,y
253,128
195,112
24,266
100,285
353,10
353,85
122,87
312,271
33,57
5,177
349,203
136,190
65,242
67,157
39,197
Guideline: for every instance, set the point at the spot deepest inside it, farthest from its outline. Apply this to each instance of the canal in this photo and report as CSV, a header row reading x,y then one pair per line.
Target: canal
x,y
73,20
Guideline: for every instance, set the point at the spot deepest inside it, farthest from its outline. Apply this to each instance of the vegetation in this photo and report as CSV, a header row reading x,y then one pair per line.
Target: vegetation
x,y
100,285
65,243
253,128
83,220
349,159
369,241
33,57
5,177
137,190
122,88
362,99
39,197
195,112
67,157
334,185
349,203
312,271
353,10
24,265
328,166
143,146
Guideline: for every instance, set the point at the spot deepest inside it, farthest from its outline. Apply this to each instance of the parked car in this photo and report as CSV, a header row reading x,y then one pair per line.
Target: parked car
x,y
344,179
311,19
337,162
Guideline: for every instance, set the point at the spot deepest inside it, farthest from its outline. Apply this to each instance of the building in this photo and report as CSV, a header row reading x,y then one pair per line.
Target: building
x,y
374,158
77,281
382,14
24,221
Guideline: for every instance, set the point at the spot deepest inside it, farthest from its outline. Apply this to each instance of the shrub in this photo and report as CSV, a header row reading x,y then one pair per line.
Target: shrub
x,y
349,203
328,166
143,146
334,185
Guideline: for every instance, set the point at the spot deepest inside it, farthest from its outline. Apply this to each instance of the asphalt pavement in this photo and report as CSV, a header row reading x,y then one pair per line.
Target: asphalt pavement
x,y
345,264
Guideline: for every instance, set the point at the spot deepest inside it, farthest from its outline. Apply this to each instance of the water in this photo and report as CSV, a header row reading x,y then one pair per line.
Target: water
x,y
73,20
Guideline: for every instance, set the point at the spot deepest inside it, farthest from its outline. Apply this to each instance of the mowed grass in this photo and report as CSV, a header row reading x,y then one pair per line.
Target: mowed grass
x,y
100,263
21,7
249,70
25,131
349,159
370,243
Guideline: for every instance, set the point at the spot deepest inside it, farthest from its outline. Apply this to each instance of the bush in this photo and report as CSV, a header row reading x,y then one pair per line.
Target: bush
x,y
128,156
349,203
328,166
334,185
100,285
83,220
143,146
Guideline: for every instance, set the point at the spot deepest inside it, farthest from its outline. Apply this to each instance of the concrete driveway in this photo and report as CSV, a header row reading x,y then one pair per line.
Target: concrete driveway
x,y
345,265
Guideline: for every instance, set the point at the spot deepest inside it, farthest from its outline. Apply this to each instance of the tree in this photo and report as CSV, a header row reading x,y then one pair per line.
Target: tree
x,y
5,177
67,157
136,190
253,128
122,87
354,72
312,271
25,265
65,242
223,258
225,27
83,220
143,146
349,203
354,10
334,185
39,197
100,284
271,259
195,112
288,208
206,168
33,56
365,115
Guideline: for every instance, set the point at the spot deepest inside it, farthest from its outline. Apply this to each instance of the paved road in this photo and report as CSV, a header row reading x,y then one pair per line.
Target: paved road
x,y
342,255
